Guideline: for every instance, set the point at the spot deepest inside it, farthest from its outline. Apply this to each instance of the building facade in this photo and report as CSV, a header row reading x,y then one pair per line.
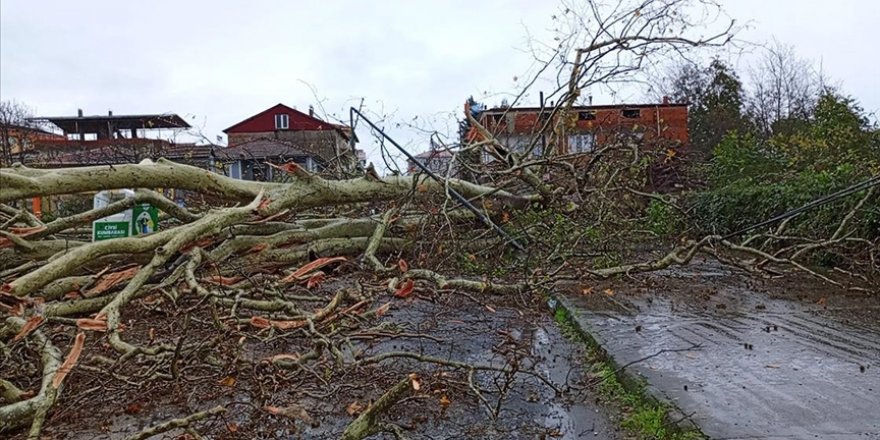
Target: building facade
x,y
582,129
438,161
281,133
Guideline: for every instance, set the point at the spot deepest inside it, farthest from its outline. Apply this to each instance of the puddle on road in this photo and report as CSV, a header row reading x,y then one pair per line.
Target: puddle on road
x,y
574,420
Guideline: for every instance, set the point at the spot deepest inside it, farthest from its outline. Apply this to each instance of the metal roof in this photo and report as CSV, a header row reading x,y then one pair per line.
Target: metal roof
x,y
94,124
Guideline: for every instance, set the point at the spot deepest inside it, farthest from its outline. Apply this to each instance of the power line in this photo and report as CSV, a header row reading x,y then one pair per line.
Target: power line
x,y
455,195
852,189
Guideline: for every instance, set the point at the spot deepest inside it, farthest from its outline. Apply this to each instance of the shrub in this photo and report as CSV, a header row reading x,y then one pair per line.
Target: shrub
x,y
746,201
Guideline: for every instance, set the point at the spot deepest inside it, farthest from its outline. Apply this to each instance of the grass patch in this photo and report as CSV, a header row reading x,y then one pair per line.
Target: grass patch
x,y
643,416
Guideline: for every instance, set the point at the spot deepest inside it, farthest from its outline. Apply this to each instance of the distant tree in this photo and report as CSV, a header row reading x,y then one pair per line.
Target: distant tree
x,y
14,133
715,95
838,133
785,89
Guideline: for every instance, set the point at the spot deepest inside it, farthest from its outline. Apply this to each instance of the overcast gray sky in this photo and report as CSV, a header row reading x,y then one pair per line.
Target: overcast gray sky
x,y
220,62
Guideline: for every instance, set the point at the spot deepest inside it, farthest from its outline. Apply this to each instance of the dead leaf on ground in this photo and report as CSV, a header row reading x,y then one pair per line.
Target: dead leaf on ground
x,y
587,291
444,401
383,309
609,292
555,433
30,325
133,408
292,411
70,361
227,381
406,289
416,382
354,409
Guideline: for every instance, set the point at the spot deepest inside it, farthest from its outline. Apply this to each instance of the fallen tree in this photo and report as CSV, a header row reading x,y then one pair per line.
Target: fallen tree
x,y
317,263
92,285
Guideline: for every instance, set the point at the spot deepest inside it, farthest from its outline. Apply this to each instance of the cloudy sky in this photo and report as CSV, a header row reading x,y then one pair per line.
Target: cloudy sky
x,y
413,61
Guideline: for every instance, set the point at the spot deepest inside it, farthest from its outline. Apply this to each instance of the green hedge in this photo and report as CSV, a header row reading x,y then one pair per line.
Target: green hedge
x,y
746,201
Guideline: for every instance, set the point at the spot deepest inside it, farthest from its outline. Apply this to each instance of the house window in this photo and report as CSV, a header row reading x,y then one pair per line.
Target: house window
x,y
518,144
588,115
235,170
581,143
282,122
631,113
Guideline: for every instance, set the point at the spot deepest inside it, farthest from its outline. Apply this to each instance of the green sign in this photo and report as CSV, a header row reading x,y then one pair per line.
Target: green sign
x,y
108,230
145,219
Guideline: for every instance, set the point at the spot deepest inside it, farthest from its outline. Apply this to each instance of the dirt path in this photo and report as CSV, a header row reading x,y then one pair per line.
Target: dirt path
x,y
768,359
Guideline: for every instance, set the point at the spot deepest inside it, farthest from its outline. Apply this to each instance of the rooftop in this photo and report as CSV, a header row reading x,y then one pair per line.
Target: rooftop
x,y
100,123
432,154
583,107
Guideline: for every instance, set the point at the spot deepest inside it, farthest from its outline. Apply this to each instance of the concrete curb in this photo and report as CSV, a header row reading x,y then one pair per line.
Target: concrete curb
x,y
631,381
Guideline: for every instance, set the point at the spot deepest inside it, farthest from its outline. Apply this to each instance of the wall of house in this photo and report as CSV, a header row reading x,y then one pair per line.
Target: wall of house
x,y
666,122
321,143
265,121
258,170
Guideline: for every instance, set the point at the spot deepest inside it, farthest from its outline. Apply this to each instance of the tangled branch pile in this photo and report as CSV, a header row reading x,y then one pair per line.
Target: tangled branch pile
x,y
236,260
286,284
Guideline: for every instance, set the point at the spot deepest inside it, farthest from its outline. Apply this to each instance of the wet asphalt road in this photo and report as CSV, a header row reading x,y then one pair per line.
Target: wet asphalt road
x,y
768,360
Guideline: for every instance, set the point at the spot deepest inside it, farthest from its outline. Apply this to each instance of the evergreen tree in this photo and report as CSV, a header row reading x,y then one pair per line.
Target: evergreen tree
x,y
715,95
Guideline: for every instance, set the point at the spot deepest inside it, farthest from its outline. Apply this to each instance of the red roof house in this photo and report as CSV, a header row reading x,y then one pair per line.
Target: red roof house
x,y
285,133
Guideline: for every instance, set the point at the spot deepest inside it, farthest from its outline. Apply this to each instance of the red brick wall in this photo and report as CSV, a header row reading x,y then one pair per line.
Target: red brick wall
x,y
667,122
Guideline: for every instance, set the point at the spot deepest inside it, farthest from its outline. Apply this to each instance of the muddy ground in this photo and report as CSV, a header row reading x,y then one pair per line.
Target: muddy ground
x,y
508,333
